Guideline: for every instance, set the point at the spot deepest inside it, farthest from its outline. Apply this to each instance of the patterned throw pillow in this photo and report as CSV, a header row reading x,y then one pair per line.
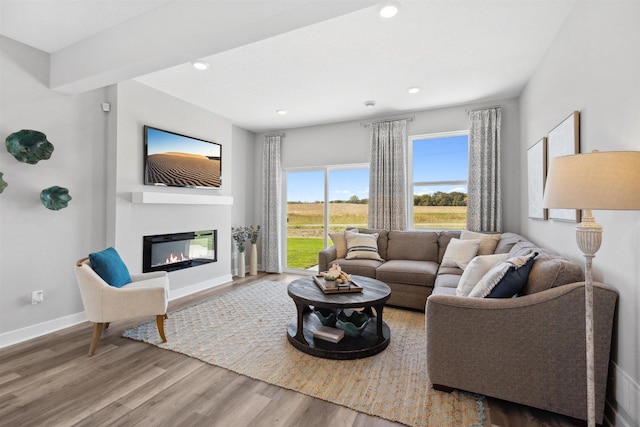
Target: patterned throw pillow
x,y
362,246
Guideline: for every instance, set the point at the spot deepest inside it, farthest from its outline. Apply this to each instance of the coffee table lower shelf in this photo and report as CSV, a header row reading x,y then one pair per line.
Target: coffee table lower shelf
x,y
348,348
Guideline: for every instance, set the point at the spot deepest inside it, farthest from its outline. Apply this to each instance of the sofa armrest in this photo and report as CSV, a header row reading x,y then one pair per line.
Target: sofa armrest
x,y
529,350
325,257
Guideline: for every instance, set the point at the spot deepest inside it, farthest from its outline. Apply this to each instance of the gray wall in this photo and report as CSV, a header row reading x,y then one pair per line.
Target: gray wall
x,y
99,157
593,66
38,247
348,143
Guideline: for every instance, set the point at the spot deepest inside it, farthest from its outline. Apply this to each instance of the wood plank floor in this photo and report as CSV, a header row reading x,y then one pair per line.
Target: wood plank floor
x,y
50,381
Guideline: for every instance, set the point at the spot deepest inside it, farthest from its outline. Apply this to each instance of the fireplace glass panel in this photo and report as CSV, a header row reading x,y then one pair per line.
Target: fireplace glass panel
x,y
176,251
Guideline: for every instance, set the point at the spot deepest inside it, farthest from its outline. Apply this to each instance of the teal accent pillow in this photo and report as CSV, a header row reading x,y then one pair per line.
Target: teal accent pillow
x,y
110,267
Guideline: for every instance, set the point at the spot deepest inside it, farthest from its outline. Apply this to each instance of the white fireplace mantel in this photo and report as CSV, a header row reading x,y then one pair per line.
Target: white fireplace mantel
x,y
152,197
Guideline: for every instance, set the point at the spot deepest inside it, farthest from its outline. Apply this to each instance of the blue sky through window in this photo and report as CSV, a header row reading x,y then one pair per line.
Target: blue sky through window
x,y
440,159
343,184
435,159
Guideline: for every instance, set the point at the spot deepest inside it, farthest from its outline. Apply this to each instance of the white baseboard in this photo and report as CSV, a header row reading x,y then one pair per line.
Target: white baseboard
x,y
624,411
34,331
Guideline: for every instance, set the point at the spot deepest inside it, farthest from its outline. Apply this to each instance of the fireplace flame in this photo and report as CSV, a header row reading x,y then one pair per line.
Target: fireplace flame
x,y
176,258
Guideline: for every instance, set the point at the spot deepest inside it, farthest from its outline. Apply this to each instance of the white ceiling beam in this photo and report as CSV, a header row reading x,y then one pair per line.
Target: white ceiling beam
x,y
179,32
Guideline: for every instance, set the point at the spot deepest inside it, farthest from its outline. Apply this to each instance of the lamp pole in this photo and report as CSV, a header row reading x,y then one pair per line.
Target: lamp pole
x,y
589,238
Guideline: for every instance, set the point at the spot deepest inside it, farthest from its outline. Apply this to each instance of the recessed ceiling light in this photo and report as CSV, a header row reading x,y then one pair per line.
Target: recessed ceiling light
x,y
414,89
281,112
388,8
200,65
369,103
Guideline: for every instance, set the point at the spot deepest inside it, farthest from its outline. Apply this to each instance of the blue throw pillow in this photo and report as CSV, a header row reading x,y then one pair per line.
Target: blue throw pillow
x,y
110,267
513,281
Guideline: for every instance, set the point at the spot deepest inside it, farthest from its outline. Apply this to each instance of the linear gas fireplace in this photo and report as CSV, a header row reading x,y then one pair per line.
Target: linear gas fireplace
x,y
170,252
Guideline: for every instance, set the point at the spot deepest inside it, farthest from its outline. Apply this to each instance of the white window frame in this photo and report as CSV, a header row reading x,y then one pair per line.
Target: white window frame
x,y
412,184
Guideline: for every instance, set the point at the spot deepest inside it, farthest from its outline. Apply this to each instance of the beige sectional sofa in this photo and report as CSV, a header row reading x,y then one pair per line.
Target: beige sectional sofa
x,y
529,349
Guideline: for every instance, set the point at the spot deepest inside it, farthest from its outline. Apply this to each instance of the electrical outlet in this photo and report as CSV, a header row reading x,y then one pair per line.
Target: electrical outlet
x,y
37,297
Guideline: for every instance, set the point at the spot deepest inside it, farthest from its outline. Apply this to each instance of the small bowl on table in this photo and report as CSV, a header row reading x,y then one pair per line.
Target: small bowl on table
x,y
327,316
352,322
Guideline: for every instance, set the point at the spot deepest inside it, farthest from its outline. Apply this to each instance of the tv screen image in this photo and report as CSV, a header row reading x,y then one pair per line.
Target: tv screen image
x,y
178,160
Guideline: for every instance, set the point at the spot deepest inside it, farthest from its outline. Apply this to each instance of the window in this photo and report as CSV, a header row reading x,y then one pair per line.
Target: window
x,y
438,170
319,201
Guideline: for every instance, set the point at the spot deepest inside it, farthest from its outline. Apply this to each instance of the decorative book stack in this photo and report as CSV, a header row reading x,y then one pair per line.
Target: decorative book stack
x,y
328,333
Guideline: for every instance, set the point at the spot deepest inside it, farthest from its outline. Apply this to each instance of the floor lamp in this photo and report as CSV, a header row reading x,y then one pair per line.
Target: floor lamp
x,y
599,181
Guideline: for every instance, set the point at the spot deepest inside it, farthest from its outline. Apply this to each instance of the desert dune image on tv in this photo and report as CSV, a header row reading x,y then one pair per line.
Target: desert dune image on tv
x,y
181,161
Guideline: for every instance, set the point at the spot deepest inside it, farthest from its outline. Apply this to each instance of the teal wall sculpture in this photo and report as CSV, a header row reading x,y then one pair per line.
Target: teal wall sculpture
x,y
3,184
29,146
55,198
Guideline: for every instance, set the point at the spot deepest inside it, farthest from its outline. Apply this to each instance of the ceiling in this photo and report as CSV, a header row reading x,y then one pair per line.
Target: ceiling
x,y
318,60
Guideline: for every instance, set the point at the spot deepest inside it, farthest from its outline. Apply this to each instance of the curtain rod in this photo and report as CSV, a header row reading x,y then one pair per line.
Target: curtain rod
x,y
469,110
365,124
274,134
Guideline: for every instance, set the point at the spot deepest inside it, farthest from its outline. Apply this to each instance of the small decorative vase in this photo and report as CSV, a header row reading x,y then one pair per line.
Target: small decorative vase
x,y
253,259
330,284
241,267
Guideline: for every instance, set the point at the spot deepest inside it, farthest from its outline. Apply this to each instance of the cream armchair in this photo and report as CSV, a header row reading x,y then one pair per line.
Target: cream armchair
x,y
146,295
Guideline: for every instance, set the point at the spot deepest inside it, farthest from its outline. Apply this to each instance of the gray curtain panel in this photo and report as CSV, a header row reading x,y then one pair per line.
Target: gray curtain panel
x,y
387,175
484,203
271,204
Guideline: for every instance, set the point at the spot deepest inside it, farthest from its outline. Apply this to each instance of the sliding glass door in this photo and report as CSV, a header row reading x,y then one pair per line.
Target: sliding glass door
x,y
320,201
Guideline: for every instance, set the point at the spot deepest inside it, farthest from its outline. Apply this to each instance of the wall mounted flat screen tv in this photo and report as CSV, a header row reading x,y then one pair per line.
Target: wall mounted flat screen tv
x,y
178,160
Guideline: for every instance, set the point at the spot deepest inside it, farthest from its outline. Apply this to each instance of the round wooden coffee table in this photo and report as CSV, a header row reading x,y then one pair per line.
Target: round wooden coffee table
x,y
375,337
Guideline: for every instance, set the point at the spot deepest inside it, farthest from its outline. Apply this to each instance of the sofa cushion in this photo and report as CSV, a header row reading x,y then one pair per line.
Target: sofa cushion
x,y
507,240
444,290
360,267
447,281
412,245
460,252
476,269
362,246
550,271
444,237
408,271
488,242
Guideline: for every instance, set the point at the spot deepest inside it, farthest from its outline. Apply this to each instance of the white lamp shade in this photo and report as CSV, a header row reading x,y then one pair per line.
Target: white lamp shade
x,y
598,180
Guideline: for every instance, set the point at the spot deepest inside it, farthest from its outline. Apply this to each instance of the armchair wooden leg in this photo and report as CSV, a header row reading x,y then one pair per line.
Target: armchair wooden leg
x,y
160,323
97,333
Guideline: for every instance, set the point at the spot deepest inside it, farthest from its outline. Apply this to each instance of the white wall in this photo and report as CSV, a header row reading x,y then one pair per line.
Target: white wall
x,y
136,106
39,247
593,66
348,143
244,176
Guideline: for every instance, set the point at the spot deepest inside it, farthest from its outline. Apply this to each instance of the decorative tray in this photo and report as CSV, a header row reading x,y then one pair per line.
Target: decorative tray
x,y
341,288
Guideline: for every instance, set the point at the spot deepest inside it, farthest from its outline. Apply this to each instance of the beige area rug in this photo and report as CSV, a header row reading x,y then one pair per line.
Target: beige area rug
x,y
245,331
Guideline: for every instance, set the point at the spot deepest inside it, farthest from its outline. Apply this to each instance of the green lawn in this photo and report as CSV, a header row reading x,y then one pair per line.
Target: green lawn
x,y
302,252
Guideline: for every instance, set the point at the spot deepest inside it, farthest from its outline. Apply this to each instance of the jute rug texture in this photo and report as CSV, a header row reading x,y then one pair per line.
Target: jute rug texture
x,y
244,331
